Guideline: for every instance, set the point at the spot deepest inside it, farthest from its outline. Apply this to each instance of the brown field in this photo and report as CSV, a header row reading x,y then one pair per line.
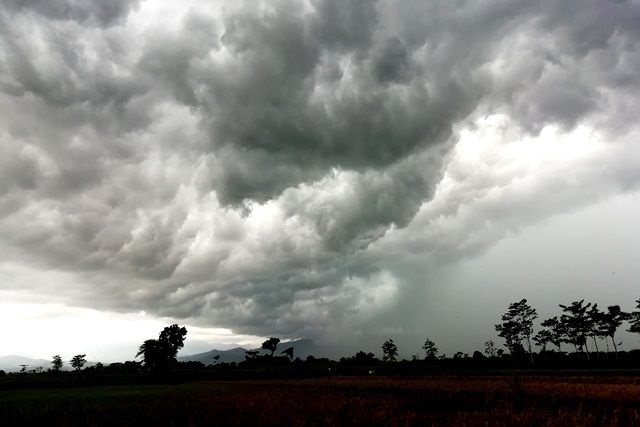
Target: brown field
x,y
362,401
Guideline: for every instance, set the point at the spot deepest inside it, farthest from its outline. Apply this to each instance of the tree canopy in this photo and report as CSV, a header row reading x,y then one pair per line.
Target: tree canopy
x,y
389,351
634,319
271,344
610,321
56,363
430,349
578,323
78,361
160,354
517,326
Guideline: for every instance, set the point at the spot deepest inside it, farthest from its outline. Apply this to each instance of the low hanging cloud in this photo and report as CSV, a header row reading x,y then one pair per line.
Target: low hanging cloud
x,y
267,166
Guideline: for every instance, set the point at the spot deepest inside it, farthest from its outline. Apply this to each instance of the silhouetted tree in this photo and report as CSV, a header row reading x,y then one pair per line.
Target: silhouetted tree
x,y
557,330
610,321
173,338
360,358
634,319
599,326
57,363
595,322
477,356
288,352
251,354
578,323
517,326
389,351
159,355
490,349
78,361
430,349
271,344
155,355
542,338
510,332
129,367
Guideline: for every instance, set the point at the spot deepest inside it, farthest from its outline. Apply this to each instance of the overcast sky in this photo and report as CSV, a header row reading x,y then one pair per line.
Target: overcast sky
x,y
344,170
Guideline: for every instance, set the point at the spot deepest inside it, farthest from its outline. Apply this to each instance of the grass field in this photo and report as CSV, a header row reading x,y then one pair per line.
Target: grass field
x,y
364,401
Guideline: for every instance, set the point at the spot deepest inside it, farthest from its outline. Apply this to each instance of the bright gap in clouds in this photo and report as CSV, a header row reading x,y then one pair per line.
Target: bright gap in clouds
x,y
42,330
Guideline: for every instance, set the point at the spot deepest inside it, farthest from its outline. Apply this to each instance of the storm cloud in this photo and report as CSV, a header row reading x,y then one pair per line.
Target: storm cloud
x,y
274,166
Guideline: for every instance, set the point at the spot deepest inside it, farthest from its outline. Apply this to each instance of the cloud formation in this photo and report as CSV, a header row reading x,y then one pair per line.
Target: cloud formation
x,y
85,12
272,166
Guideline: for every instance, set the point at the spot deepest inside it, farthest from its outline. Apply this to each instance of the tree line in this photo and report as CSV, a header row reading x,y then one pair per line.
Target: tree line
x,y
77,362
578,325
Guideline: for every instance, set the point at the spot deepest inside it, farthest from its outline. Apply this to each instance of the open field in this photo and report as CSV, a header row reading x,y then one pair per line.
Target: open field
x,y
444,400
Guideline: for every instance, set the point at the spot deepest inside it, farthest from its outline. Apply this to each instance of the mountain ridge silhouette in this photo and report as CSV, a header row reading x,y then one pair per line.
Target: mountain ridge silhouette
x,y
302,348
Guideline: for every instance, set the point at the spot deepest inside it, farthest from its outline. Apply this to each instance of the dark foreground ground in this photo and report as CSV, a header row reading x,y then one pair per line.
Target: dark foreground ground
x,y
362,401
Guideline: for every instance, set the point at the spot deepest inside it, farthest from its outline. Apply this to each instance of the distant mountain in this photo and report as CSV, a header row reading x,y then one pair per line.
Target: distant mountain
x,y
225,356
12,363
301,348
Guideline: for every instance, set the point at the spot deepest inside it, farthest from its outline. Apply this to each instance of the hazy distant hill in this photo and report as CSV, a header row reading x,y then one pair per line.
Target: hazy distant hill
x,y
301,348
12,363
226,356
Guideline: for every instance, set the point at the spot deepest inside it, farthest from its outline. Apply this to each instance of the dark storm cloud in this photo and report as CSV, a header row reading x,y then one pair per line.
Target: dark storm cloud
x,y
266,165
309,91
89,12
345,25
391,63
572,79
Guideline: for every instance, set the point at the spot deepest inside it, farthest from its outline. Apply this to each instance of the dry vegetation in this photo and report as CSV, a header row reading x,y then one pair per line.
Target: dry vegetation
x,y
447,401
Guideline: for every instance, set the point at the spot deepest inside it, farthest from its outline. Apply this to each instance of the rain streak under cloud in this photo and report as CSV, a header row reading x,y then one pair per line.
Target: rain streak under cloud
x,y
298,168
